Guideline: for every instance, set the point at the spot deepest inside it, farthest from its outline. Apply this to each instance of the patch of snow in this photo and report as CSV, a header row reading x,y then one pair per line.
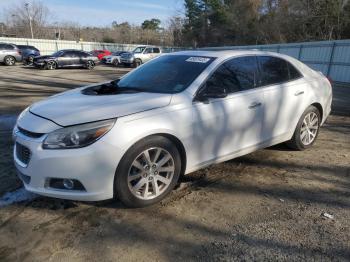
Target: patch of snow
x,y
16,196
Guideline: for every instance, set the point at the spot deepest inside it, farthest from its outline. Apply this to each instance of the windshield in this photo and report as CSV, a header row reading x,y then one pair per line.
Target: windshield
x,y
138,50
166,74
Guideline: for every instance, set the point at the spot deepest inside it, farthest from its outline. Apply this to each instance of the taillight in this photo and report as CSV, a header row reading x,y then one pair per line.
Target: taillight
x,y
19,52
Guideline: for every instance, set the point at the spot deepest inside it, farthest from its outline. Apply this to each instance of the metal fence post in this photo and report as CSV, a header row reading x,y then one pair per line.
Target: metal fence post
x,y
300,52
330,63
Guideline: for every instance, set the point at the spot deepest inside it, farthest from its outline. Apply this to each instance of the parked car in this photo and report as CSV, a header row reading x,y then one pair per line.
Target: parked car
x,y
66,59
134,137
140,55
100,53
9,54
28,53
114,58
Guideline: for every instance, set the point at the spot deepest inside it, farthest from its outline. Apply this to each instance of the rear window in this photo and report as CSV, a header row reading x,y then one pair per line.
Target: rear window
x,y
166,74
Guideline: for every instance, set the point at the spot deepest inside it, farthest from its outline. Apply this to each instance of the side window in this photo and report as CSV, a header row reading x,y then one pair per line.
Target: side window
x,y
156,50
236,75
148,51
8,47
2,47
293,72
274,70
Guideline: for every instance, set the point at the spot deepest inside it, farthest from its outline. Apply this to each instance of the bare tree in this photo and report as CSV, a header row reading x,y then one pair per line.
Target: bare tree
x,y
28,17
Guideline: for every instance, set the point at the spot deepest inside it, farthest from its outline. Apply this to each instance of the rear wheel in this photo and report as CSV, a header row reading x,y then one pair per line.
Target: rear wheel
x,y
90,64
147,172
50,65
307,129
30,60
9,60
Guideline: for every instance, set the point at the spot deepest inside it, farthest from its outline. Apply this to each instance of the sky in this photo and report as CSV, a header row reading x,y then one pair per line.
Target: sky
x,y
104,12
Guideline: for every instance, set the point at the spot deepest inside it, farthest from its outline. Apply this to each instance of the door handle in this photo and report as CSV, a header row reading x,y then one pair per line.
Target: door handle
x,y
254,105
299,93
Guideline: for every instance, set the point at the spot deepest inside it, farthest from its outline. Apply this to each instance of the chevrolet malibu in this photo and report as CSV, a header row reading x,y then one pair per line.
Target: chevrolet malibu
x,y
133,137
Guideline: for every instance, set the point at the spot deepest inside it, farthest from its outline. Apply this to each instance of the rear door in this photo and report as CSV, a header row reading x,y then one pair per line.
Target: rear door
x,y
226,125
284,91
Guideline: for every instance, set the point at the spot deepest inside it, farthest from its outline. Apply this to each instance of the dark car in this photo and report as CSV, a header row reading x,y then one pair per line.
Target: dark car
x,y
70,58
9,54
28,53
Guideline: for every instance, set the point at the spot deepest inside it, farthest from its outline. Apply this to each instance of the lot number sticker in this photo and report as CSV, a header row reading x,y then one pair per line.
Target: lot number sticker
x,y
197,59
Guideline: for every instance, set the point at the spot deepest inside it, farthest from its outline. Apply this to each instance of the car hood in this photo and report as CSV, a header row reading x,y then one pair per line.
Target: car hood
x,y
73,107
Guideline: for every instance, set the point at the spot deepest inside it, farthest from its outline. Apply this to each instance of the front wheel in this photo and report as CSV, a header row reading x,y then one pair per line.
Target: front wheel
x,y
307,129
147,172
50,65
137,63
116,62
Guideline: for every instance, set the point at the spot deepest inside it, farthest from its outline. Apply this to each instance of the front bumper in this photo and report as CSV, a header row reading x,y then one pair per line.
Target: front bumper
x,y
94,166
127,61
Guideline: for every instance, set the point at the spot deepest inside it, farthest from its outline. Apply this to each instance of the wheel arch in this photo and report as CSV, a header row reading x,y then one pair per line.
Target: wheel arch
x,y
320,109
174,139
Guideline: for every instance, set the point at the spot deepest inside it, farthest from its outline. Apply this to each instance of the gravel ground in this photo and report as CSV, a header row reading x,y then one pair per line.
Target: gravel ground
x,y
268,205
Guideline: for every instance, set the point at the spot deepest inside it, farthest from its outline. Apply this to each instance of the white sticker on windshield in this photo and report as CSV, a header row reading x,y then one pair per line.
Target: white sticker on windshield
x,y
197,59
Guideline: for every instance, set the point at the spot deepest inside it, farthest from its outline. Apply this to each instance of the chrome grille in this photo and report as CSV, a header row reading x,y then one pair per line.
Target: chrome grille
x,y
23,153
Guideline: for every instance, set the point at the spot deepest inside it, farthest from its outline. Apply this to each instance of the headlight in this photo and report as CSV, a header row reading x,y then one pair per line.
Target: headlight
x,y
77,136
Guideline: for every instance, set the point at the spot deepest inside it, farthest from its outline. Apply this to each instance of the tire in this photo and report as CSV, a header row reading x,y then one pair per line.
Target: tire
x,y
90,64
30,60
140,182
9,60
50,65
116,62
137,63
307,129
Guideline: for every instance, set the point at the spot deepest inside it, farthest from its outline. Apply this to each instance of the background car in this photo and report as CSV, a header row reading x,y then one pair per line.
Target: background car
x,y
66,59
100,53
28,53
9,54
140,55
114,58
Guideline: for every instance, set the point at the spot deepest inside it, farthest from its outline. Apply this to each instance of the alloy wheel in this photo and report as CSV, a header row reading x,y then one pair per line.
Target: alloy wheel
x,y
51,65
151,173
10,61
309,128
90,65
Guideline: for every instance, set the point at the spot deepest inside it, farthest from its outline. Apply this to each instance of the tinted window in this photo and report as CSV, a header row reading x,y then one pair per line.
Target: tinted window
x,y
273,70
2,46
148,51
236,75
156,50
166,74
293,72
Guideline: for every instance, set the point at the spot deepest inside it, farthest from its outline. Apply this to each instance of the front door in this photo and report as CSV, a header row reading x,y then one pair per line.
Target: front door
x,y
223,126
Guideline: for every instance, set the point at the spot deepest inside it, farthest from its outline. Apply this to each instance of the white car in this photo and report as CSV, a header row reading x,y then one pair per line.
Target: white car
x,y
134,137
113,59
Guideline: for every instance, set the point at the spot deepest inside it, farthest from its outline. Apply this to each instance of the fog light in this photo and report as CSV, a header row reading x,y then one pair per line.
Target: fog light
x,y
68,183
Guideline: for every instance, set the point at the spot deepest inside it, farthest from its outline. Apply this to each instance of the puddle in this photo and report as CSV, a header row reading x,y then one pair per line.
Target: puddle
x,y
7,122
16,196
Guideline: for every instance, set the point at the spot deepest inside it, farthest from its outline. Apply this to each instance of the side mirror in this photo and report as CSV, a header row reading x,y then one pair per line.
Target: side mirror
x,y
211,91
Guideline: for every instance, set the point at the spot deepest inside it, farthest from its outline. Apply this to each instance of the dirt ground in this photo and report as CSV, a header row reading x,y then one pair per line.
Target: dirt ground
x,y
268,205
